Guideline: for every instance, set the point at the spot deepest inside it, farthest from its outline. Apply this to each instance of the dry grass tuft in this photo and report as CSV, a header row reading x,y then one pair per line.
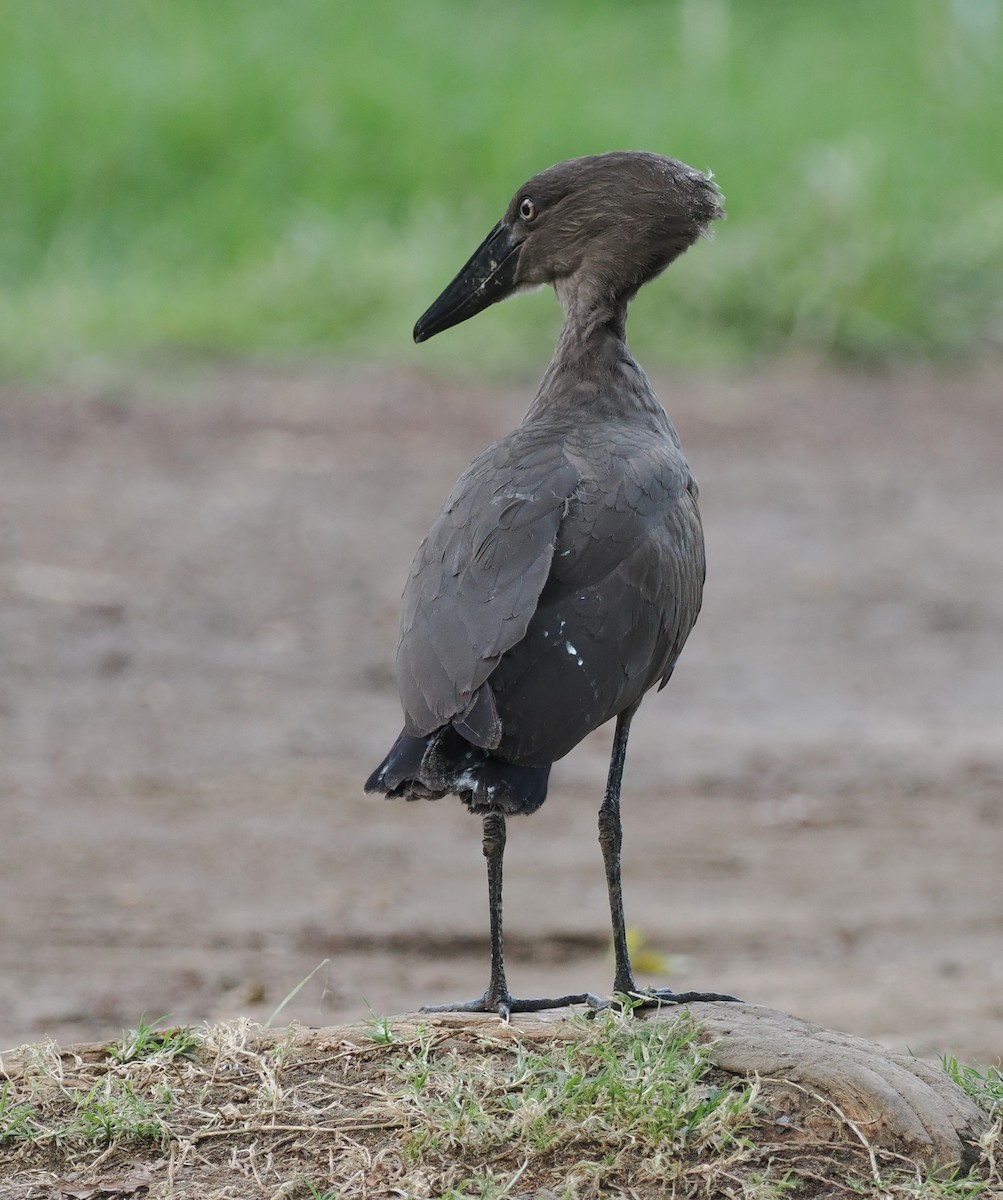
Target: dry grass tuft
x,y
611,1107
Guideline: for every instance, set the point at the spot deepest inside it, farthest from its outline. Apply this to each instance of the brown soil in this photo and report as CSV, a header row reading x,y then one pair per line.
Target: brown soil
x,y
198,601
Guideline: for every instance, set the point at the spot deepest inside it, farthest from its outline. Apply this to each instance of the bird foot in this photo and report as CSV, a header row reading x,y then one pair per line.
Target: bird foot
x,y
505,1004
635,998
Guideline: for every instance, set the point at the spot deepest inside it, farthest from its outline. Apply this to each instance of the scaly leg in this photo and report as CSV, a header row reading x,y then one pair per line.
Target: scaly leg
x,y
610,840
497,998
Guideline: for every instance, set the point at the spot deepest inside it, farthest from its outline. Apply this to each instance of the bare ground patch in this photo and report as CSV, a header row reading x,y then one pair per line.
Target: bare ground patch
x,y
199,580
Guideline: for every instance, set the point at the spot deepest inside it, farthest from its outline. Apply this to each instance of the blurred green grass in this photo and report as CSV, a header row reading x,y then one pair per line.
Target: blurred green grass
x,y
217,177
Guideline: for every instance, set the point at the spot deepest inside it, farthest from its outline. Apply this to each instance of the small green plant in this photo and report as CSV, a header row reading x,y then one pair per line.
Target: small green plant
x,y
146,1041
316,1194
112,1111
985,1088
16,1118
380,1028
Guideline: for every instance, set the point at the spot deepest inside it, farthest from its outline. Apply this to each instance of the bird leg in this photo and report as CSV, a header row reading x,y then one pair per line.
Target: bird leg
x,y
493,845
498,998
610,841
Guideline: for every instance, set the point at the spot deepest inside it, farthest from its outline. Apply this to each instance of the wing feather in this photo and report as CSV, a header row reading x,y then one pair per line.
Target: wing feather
x,y
478,575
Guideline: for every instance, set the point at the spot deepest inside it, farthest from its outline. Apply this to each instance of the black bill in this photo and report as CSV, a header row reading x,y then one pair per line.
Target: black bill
x,y
487,277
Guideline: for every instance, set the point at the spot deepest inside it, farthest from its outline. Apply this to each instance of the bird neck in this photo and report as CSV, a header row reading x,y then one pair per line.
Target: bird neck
x,y
594,320
592,369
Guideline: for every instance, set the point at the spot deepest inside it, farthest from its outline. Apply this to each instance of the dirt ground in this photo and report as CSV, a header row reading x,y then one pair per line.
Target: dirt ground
x,y
199,578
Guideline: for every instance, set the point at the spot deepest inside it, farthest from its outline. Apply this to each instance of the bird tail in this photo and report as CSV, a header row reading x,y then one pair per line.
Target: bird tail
x,y
443,763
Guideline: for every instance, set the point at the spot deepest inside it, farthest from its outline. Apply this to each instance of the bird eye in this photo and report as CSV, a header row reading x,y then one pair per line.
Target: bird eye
x,y
527,209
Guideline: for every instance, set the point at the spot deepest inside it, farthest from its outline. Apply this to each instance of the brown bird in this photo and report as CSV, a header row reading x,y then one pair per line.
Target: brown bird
x,y
565,571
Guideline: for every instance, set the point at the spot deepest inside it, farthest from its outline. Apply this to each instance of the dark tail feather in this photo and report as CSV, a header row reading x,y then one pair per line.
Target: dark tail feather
x,y
427,768
401,766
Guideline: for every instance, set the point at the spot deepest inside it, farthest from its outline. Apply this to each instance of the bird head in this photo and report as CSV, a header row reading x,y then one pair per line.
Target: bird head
x,y
596,228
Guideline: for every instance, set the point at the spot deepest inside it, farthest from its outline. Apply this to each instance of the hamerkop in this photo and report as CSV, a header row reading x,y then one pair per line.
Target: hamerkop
x,y
565,571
